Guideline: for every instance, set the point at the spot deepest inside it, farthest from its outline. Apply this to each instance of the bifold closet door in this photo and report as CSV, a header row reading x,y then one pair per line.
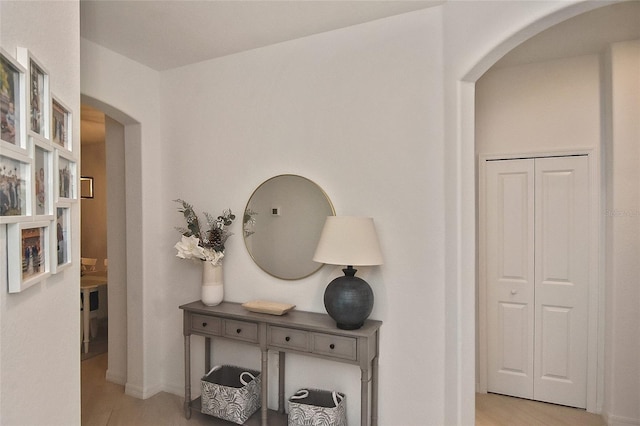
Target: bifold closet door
x,y
510,276
562,280
537,242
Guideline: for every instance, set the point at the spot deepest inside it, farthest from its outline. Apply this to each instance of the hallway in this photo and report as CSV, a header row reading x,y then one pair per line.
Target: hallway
x,y
500,410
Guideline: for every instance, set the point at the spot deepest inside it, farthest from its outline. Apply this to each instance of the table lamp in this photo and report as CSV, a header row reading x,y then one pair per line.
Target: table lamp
x,y
349,241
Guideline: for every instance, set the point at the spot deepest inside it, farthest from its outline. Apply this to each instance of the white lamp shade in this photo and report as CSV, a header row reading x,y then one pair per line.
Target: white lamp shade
x,y
348,240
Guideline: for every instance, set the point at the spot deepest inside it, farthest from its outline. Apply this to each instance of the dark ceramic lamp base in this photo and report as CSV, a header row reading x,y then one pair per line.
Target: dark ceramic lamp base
x,y
348,300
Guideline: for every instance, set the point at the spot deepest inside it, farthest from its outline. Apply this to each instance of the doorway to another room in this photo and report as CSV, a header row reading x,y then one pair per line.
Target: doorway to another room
x,y
103,226
93,241
104,243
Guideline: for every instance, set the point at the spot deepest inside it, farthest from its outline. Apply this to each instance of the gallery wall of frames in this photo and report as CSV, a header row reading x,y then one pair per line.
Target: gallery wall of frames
x,y
38,171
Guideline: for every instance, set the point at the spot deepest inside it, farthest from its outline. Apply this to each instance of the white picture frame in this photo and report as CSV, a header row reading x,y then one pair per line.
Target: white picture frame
x,y
61,124
15,187
43,193
61,239
38,96
66,177
28,254
13,109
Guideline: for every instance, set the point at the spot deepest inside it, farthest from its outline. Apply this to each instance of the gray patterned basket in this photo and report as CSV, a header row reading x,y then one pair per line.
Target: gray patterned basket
x,y
231,393
313,407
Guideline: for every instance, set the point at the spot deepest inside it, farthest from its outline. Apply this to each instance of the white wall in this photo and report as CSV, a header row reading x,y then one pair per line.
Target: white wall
x,y
117,250
358,112
545,106
40,327
622,368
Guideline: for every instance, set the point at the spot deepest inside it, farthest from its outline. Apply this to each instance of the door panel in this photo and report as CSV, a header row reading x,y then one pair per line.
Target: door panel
x,y
513,322
555,351
510,276
562,280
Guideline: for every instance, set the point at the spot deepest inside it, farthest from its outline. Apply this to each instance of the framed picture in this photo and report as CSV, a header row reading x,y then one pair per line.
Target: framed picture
x,y
12,105
86,187
38,98
66,177
61,239
43,179
15,184
27,254
61,124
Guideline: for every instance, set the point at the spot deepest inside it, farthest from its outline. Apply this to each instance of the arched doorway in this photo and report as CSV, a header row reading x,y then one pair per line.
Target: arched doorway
x,y
122,137
462,177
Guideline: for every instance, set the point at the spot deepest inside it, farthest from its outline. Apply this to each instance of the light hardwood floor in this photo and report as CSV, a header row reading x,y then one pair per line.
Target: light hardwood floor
x,y
105,404
500,410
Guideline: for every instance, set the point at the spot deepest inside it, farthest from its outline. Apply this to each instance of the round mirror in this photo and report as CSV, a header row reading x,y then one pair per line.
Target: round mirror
x,y
282,225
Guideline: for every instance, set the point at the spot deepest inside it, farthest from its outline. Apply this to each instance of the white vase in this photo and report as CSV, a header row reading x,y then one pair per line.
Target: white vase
x,y
212,284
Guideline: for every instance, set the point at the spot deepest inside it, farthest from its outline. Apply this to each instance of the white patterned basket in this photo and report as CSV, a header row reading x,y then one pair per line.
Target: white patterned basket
x,y
314,407
231,393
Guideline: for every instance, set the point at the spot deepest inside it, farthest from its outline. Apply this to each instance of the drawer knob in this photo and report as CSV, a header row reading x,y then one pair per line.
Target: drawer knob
x,y
332,346
287,338
239,330
204,324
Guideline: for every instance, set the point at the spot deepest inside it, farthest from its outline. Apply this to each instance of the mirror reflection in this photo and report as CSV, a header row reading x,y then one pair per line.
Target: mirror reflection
x,y
282,224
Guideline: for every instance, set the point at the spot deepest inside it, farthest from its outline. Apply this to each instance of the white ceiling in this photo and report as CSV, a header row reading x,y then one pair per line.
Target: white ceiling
x,y
173,33
170,34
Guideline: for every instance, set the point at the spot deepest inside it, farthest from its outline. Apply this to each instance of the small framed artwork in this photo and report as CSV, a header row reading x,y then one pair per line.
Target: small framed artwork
x,y
61,239
15,184
43,179
66,177
12,105
38,98
61,124
27,254
86,187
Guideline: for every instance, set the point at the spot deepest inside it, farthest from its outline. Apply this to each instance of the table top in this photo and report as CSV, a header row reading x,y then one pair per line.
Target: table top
x,y
309,320
92,281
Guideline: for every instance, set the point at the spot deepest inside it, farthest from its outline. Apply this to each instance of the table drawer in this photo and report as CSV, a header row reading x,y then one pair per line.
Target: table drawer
x,y
335,346
241,330
289,338
205,324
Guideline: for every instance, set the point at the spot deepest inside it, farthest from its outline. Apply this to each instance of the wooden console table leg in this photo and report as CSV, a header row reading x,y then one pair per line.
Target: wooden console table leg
x,y
281,382
364,396
207,354
187,377
374,392
265,374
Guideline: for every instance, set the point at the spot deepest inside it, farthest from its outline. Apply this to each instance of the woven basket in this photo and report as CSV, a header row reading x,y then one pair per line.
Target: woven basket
x,y
314,407
231,393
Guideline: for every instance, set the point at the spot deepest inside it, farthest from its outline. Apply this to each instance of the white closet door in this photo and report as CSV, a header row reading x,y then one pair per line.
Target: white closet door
x,y
562,280
510,276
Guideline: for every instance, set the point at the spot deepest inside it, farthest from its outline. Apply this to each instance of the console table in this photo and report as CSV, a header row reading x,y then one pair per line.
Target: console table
x,y
304,333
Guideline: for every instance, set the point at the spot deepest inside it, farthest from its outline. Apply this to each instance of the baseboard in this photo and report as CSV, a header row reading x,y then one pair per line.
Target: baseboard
x,y
613,420
118,379
176,389
140,392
